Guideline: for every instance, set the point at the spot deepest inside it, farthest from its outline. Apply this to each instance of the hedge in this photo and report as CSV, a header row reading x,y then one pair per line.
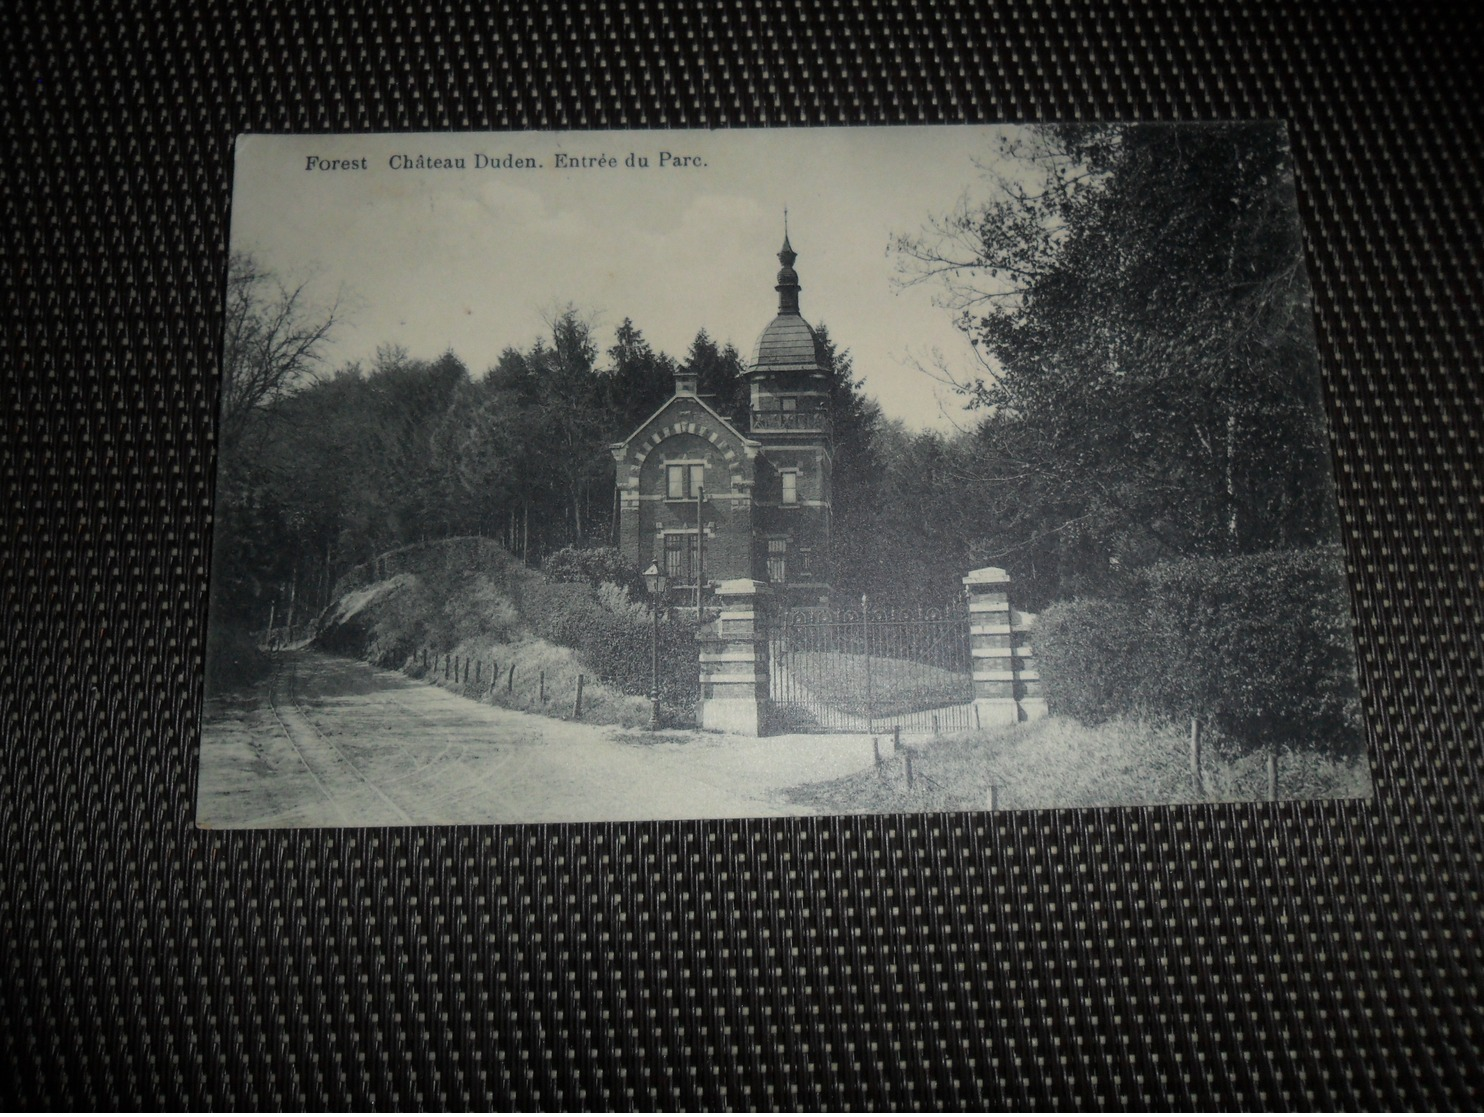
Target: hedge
x,y
618,645
1258,645
593,566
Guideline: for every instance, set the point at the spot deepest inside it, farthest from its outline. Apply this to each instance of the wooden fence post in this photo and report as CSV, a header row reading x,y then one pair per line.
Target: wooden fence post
x,y
936,733
896,739
446,660
542,687
994,797
909,769
876,751
510,682
478,669
577,705
1273,773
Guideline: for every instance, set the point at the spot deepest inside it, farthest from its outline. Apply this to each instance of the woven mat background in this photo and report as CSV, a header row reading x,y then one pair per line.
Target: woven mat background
x,y
1263,956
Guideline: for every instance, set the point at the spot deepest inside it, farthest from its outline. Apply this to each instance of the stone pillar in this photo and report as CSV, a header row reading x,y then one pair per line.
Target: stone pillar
x,y
734,662
1006,687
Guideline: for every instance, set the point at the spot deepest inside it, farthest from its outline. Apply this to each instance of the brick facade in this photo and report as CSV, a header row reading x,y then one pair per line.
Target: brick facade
x,y
766,512
687,434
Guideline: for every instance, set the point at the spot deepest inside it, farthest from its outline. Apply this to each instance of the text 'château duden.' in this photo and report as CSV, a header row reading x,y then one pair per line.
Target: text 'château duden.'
x,y
480,162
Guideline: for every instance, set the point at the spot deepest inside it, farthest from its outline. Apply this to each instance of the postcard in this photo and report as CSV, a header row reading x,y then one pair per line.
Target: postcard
x,y
585,476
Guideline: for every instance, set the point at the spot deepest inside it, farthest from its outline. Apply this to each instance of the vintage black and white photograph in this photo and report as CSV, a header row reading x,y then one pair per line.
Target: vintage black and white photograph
x,y
711,474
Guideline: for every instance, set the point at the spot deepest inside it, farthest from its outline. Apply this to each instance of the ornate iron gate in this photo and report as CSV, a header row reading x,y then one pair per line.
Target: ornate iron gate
x,y
870,669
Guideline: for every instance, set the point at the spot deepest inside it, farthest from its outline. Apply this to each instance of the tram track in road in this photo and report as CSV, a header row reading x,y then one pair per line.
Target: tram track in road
x,y
321,739
288,736
426,782
480,782
487,779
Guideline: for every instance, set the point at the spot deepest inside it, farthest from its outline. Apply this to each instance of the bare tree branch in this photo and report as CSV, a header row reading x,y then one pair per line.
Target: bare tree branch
x,y
272,344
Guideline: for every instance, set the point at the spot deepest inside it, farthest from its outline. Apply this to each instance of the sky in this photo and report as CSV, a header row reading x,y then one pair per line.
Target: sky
x,y
477,259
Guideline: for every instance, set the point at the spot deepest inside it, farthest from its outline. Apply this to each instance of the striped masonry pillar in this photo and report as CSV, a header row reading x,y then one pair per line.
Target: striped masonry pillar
x,y
1007,689
734,662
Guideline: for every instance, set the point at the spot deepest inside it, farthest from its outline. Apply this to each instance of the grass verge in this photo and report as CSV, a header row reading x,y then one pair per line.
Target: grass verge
x,y
1057,762
529,675
897,686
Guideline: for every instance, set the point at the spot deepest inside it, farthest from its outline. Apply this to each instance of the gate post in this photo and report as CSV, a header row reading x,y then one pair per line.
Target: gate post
x,y
1006,688
734,662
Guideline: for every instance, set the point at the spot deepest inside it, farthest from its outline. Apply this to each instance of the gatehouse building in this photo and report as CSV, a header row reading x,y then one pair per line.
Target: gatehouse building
x,y
709,502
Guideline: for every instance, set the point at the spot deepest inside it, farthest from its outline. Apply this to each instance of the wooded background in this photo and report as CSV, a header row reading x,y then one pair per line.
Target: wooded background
x,y
1319,955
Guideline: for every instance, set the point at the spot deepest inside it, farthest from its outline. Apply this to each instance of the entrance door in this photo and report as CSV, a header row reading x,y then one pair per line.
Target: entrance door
x,y
682,560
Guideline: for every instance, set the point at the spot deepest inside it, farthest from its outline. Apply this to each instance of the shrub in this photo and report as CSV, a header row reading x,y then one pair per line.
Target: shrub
x,y
1259,645
1083,650
617,645
616,599
560,613
594,566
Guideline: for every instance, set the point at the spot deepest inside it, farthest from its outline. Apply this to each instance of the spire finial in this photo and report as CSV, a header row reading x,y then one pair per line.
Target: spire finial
x,y
788,279
786,254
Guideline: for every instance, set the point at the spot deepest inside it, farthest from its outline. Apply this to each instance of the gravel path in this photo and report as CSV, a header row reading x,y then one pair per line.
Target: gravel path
x,y
336,742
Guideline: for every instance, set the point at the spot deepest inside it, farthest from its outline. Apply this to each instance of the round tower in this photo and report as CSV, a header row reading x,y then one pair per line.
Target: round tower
x,y
790,378
789,370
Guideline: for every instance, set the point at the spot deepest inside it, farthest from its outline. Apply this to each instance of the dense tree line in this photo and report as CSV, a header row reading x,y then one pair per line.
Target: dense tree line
x,y
1148,384
1150,453
324,470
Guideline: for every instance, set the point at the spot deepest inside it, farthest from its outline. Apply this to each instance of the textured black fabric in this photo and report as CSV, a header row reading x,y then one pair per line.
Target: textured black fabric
x,y
1317,955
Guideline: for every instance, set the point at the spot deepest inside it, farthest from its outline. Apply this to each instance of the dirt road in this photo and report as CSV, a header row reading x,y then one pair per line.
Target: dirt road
x,y
335,742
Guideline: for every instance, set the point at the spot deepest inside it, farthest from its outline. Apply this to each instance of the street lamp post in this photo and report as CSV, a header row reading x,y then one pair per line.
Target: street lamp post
x,y
654,581
700,549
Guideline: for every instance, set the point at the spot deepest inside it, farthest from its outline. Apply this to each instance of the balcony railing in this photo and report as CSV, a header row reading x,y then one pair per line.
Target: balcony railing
x,y
815,420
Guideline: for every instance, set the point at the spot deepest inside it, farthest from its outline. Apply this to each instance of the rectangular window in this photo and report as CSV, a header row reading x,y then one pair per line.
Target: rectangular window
x,y
680,558
788,403
778,561
684,481
806,560
790,486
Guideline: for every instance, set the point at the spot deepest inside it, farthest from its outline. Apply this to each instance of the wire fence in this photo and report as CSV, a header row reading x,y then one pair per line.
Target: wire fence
x,y
499,682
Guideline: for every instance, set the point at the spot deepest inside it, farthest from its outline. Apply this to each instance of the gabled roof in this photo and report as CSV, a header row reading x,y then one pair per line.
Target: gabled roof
x,y
721,421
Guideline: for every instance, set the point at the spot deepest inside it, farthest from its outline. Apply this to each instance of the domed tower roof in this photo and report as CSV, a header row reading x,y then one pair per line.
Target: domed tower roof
x,y
788,343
